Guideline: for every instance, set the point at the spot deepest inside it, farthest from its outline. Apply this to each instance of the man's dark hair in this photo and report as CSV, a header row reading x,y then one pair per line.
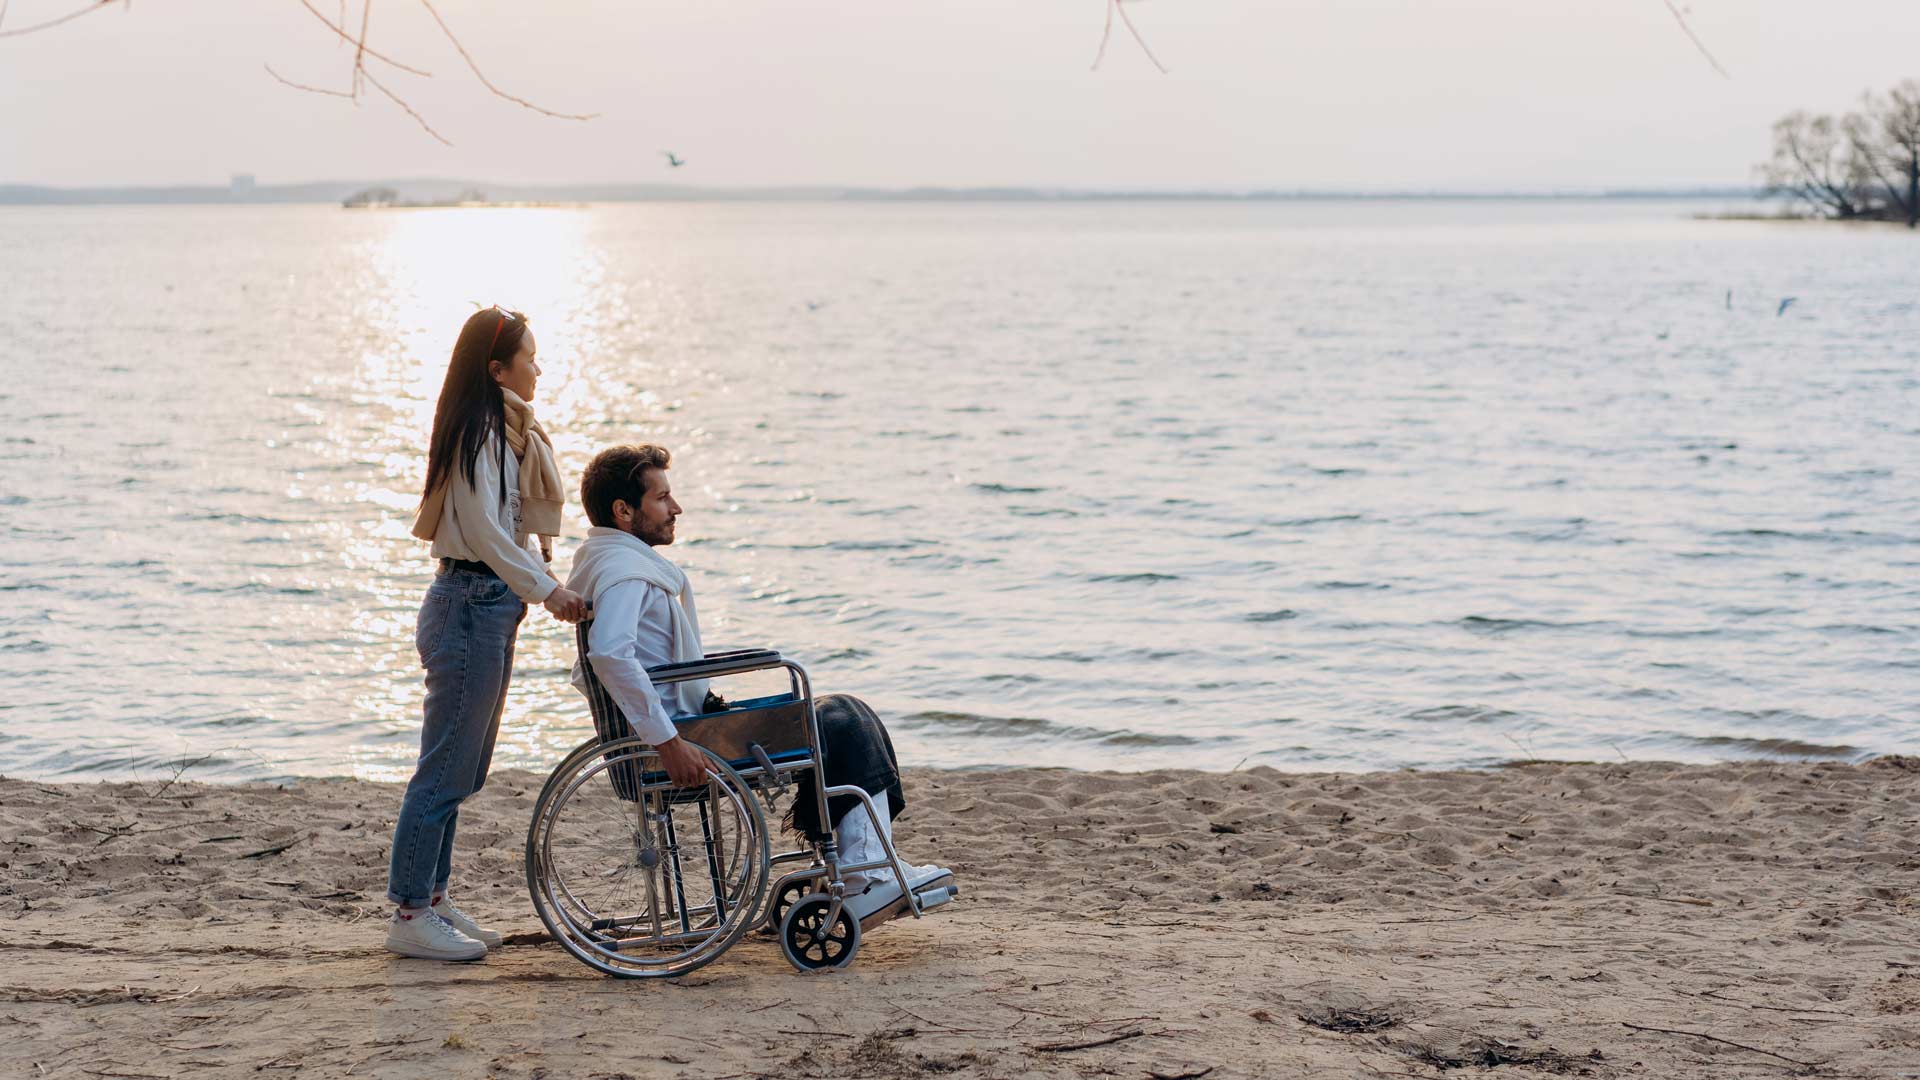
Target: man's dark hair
x,y
618,473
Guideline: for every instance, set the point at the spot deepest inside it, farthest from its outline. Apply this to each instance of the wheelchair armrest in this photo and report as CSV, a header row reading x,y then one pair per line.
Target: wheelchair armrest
x,y
714,665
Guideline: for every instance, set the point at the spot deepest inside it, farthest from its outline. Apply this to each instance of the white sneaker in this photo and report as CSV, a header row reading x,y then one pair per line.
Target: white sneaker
x,y
876,896
881,892
919,878
430,937
460,921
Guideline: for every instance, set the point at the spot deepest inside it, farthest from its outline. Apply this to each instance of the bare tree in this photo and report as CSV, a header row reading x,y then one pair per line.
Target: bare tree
x,y
1886,138
1814,163
1864,164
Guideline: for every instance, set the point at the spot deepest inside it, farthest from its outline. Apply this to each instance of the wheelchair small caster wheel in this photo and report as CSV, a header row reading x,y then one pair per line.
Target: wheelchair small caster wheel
x,y
809,943
784,900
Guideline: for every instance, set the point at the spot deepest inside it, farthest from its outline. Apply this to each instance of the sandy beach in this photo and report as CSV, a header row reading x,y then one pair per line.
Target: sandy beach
x,y
1638,919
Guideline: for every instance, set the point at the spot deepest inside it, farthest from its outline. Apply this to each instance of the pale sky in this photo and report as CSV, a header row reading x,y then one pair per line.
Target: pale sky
x,y
1359,94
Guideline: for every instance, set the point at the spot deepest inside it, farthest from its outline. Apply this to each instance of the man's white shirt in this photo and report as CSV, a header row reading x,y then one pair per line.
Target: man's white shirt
x,y
631,632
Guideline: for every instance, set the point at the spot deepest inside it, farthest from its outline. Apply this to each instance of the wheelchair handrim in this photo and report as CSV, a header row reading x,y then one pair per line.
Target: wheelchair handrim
x,y
546,886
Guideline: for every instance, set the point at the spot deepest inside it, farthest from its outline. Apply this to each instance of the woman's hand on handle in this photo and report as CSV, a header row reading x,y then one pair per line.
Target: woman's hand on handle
x,y
565,605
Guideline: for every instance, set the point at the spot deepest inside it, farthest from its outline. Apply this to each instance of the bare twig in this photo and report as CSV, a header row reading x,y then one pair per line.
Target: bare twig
x,y
1695,38
1695,901
51,23
1718,1039
1061,1048
179,768
1125,18
395,98
331,25
484,81
264,852
283,80
1106,32
360,46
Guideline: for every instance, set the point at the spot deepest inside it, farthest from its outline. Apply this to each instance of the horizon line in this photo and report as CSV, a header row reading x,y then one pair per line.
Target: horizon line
x,y
242,189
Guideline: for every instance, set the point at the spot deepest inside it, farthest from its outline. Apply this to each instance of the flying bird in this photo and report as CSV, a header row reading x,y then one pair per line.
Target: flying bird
x,y
673,162
1784,305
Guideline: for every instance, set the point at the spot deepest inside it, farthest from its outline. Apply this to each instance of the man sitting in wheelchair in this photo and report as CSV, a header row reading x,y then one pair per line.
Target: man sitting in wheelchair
x,y
644,616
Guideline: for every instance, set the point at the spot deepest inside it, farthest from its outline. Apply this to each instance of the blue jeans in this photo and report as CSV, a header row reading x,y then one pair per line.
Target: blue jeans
x,y
465,637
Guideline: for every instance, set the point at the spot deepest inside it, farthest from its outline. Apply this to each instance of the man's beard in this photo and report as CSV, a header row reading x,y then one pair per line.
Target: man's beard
x,y
653,535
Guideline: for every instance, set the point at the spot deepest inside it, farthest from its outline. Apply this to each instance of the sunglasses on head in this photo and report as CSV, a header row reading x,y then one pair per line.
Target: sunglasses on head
x,y
504,316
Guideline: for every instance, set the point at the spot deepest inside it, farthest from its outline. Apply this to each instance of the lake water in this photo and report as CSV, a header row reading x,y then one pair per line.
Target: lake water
x,y
1317,485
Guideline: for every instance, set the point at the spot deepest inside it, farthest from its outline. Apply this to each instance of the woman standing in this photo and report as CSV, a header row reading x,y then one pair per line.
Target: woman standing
x,y
492,489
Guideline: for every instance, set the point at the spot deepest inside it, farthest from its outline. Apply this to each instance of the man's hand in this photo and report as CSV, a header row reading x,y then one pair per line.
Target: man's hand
x,y
686,764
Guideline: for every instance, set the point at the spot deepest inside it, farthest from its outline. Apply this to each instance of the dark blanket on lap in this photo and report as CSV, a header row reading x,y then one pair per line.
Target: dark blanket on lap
x,y
857,751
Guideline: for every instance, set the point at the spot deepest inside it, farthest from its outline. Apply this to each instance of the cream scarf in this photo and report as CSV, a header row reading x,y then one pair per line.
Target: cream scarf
x,y
541,492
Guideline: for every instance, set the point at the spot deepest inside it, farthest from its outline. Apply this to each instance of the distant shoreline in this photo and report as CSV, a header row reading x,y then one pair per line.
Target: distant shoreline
x,y
438,190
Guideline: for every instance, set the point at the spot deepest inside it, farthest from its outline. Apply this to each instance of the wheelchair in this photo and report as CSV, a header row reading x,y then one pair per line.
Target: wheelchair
x,y
639,878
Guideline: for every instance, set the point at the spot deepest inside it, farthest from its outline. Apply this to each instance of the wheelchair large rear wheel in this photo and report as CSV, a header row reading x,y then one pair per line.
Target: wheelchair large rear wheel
x,y
638,878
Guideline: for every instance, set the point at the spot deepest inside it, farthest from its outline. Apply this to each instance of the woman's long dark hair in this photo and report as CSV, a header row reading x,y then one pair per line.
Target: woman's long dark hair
x,y
471,407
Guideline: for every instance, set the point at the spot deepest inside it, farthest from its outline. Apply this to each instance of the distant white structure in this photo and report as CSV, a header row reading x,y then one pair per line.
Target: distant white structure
x,y
240,185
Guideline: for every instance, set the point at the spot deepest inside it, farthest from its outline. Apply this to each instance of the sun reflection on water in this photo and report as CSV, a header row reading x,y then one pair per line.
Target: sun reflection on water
x,y
427,272
941,474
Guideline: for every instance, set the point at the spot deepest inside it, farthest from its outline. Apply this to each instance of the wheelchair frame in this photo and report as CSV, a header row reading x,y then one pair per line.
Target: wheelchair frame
x,y
804,906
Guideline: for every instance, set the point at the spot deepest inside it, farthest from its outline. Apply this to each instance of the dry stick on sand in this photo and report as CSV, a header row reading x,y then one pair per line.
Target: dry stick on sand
x,y
1728,1042
179,768
1061,1048
1694,900
264,852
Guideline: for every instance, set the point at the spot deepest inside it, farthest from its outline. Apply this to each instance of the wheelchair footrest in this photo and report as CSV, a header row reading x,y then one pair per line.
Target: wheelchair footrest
x,y
933,898
929,898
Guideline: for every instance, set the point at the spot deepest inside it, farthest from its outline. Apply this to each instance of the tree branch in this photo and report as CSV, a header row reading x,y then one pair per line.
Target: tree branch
x,y
302,86
51,23
360,47
1125,18
1105,33
329,24
484,81
1695,38
395,98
